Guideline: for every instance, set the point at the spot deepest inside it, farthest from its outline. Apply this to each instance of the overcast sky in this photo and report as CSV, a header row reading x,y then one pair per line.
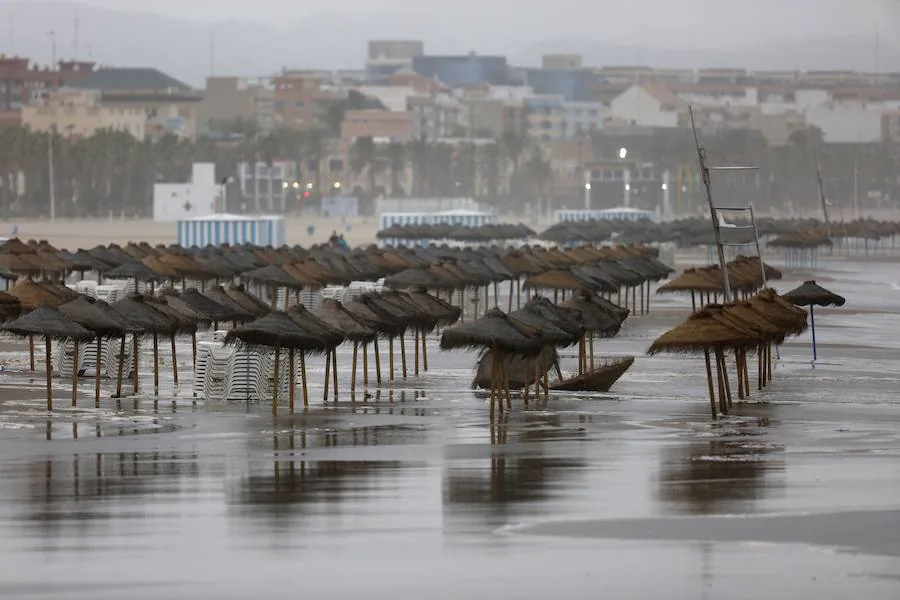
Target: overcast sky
x,y
492,25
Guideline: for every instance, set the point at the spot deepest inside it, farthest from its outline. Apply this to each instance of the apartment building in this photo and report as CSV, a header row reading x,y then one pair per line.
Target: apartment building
x,y
80,113
227,99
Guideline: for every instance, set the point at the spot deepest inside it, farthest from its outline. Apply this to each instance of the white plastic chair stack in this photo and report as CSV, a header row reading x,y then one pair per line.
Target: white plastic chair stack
x,y
334,292
212,365
63,354
248,376
88,287
311,299
109,293
358,288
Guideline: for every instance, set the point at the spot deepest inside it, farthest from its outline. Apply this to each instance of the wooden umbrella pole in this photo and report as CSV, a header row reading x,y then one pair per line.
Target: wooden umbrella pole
x,y
424,352
174,362
416,354
591,335
334,373
493,382
327,374
746,373
506,386
353,373
277,380
511,294
642,298
31,351
97,374
366,365
403,353
740,374
709,381
581,353
75,375
391,358
49,373
377,361
723,394
121,367
155,364
194,349
303,378
769,360
292,380
135,361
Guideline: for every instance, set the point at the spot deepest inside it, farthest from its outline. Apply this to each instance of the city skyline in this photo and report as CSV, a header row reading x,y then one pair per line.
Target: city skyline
x,y
836,38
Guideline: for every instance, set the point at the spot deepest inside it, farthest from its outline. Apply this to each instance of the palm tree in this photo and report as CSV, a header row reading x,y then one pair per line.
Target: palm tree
x,y
489,158
513,145
419,150
313,145
394,157
537,174
364,156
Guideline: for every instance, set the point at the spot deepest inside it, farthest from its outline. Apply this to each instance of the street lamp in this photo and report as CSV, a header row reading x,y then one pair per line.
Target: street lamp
x,y
296,185
623,152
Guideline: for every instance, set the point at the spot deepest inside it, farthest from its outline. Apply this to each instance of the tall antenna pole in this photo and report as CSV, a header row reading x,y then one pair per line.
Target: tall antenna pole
x,y
823,200
704,173
212,53
75,40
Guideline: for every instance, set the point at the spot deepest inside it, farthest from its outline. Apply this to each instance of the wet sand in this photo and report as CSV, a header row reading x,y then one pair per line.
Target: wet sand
x,y
411,492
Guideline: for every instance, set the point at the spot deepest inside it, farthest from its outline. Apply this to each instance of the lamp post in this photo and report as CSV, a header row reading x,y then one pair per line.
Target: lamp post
x,y
587,189
50,169
626,175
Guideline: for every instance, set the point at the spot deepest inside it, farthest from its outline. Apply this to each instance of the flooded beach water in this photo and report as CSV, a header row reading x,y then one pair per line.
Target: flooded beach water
x,y
411,491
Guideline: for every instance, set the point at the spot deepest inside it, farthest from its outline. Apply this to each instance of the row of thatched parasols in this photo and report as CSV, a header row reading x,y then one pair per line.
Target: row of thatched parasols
x,y
66,315
362,321
519,347
789,233
745,274
609,270
757,325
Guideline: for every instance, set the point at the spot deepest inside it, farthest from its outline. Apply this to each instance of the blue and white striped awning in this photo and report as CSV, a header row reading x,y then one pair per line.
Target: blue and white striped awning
x,y
221,229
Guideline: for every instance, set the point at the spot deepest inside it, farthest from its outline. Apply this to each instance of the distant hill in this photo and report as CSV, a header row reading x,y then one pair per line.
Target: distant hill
x,y
182,48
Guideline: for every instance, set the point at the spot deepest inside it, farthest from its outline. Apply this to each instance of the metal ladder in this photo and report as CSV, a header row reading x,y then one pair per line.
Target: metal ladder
x,y
752,227
715,217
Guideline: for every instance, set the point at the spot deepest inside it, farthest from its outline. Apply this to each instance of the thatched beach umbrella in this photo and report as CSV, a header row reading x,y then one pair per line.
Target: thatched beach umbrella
x,y
104,322
183,323
319,328
143,319
701,332
340,319
811,294
277,330
52,325
382,322
135,270
247,301
10,306
497,332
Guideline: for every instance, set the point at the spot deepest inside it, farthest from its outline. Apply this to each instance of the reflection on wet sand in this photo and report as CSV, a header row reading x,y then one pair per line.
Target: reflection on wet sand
x,y
718,476
519,472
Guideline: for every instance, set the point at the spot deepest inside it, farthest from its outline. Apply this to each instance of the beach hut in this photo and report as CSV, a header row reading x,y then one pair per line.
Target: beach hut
x,y
215,230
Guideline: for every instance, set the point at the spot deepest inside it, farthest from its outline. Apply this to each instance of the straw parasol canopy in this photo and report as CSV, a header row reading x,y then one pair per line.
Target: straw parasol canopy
x,y
143,318
315,326
700,332
445,313
247,301
332,313
594,316
219,295
564,318
494,330
32,295
132,270
812,294
10,306
48,322
95,316
272,275
276,330
781,312
207,306
376,319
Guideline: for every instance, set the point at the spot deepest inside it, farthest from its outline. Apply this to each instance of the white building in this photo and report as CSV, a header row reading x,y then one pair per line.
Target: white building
x,y
582,117
840,124
647,105
177,201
